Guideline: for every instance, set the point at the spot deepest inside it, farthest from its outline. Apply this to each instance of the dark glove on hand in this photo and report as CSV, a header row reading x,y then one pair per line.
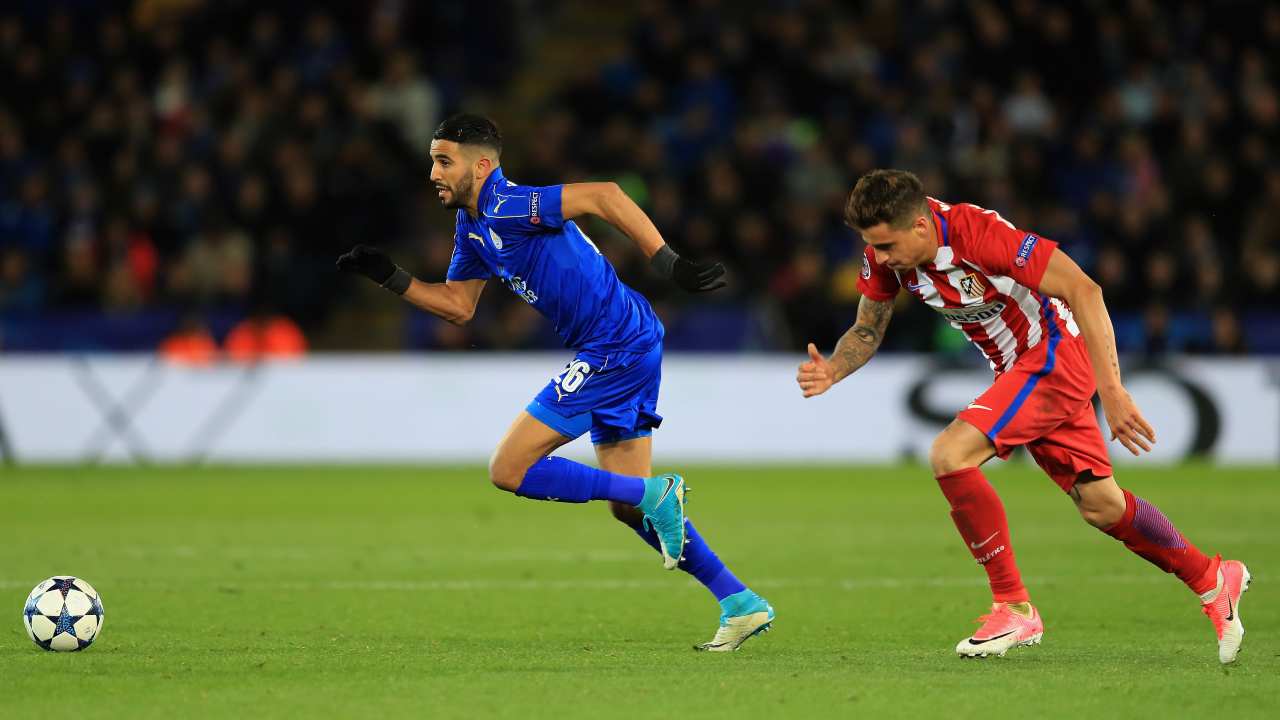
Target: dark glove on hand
x,y
692,276
377,266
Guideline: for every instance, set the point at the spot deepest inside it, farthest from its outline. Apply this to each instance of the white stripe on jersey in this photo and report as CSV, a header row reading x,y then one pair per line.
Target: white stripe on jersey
x,y
923,284
995,328
1006,341
943,262
1065,313
1026,303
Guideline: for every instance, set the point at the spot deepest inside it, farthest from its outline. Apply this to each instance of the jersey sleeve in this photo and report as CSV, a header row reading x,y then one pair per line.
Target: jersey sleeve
x,y
525,209
876,281
1002,249
466,263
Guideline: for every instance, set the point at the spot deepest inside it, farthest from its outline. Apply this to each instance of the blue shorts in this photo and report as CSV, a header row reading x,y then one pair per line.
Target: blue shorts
x,y
614,395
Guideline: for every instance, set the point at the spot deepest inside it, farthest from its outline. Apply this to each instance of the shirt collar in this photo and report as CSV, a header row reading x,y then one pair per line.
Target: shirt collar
x,y
939,224
486,191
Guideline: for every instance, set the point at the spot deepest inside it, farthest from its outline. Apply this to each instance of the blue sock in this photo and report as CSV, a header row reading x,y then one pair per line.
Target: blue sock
x,y
700,562
555,478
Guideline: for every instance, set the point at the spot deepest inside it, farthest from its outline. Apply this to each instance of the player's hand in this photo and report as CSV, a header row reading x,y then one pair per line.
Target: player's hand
x,y
369,262
1126,422
698,277
816,375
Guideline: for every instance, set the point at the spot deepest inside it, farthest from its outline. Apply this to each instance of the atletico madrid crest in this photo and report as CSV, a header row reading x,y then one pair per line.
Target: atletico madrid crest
x,y
971,287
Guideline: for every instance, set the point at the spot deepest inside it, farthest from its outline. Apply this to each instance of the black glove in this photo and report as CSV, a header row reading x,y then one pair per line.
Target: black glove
x,y
377,266
690,275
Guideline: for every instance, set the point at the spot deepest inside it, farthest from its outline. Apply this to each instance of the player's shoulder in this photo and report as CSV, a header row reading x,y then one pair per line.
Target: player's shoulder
x,y
972,223
965,231
961,211
958,217
509,201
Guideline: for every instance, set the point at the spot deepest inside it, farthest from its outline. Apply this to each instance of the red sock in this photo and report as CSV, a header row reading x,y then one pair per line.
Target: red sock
x,y
979,516
1148,533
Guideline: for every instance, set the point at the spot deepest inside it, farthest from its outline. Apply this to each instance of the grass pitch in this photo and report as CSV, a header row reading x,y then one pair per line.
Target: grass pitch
x,y
358,592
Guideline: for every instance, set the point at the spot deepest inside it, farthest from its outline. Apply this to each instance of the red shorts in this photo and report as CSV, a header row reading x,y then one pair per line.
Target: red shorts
x,y
1045,403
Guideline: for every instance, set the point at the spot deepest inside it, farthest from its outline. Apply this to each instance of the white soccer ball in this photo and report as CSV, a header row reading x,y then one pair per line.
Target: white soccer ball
x,y
63,614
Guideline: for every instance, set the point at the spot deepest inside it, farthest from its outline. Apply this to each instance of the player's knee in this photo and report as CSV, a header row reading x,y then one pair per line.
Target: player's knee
x,y
957,447
1102,513
1102,505
1101,518
505,474
624,513
944,457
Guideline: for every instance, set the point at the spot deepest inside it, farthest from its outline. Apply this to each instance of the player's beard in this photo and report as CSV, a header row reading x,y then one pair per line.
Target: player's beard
x,y
460,193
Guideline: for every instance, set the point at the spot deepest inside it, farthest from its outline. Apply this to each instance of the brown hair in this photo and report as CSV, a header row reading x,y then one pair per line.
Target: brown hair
x,y
895,197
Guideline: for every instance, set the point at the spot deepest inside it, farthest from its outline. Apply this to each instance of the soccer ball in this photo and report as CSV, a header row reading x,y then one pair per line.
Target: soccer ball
x,y
63,614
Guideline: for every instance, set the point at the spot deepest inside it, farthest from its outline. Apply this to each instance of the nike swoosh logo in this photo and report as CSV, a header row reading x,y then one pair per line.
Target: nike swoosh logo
x,y
975,641
976,406
975,546
1231,608
915,287
670,484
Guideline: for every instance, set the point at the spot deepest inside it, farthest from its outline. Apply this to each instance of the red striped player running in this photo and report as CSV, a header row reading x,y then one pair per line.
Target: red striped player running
x,y
1042,324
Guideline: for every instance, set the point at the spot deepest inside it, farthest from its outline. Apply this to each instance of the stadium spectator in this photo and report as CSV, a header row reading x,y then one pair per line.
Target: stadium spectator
x,y
21,290
733,124
408,100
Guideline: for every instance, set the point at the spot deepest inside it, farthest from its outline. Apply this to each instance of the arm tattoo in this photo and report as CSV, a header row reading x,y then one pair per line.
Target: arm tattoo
x,y
860,342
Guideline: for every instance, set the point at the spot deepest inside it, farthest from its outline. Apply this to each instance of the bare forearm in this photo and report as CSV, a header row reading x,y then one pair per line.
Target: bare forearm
x,y
862,340
1099,337
438,299
853,351
620,211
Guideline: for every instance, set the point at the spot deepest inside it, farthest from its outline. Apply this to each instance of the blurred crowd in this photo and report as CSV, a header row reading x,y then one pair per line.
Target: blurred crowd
x,y
1144,136
223,155
212,156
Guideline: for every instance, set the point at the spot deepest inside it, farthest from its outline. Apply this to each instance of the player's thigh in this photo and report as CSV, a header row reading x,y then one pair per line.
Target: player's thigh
x,y
527,441
1015,410
628,457
1032,399
1073,448
628,409
960,445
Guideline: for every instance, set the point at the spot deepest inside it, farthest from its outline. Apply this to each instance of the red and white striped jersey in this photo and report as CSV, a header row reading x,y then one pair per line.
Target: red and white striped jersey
x,y
984,280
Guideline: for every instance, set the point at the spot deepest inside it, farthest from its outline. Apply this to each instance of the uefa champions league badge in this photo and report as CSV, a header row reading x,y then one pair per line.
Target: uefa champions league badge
x,y
1028,244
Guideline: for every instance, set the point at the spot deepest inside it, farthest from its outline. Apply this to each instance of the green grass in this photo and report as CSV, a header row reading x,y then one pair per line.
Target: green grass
x,y
358,592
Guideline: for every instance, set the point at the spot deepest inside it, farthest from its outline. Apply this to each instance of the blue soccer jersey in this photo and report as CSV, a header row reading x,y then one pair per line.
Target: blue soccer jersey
x,y
521,237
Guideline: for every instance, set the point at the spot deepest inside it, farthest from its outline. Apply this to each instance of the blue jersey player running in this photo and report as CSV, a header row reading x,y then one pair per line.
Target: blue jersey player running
x,y
525,236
